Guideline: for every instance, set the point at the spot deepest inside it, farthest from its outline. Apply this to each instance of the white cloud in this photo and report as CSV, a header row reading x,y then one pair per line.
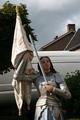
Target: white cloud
x,y
50,17
48,4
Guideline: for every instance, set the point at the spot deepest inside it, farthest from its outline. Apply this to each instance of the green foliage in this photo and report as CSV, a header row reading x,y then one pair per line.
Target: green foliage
x,y
73,105
8,9
7,25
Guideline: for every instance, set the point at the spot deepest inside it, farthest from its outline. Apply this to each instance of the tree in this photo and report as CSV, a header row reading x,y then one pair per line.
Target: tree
x,y
7,25
72,106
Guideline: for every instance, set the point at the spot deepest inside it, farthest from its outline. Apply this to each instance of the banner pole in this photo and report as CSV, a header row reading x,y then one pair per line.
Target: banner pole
x,y
38,59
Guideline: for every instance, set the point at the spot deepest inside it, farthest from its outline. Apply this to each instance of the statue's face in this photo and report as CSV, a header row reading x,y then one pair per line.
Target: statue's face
x,y
45,64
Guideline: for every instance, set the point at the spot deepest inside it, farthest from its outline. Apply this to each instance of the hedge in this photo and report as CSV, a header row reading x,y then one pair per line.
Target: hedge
x,y
72,106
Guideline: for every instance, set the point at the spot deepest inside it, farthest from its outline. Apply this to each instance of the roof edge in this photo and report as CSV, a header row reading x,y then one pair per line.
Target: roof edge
x,y
55,40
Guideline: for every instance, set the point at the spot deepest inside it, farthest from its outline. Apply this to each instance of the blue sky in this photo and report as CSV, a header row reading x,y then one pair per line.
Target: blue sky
x,y
50,17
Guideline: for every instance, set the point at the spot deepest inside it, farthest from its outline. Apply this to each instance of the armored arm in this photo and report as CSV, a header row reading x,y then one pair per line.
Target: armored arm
x,y
63,91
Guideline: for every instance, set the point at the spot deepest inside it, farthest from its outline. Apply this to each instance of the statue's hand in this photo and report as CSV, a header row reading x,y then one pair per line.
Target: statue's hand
x,y
49,88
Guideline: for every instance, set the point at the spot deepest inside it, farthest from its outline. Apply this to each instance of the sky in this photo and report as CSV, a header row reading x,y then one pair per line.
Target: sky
x,y
50,17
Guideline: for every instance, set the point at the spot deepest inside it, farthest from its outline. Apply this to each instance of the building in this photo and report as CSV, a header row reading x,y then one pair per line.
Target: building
x,y
74,44
68,41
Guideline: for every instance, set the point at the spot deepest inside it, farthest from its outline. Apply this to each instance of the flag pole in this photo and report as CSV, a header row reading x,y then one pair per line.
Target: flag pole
x,y
17,9
38,59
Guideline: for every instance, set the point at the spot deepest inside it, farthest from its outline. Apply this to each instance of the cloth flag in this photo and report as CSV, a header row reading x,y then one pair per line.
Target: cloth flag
x,y
22,54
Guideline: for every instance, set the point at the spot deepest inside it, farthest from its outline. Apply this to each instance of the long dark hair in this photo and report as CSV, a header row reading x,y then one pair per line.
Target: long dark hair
x,y
51,67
